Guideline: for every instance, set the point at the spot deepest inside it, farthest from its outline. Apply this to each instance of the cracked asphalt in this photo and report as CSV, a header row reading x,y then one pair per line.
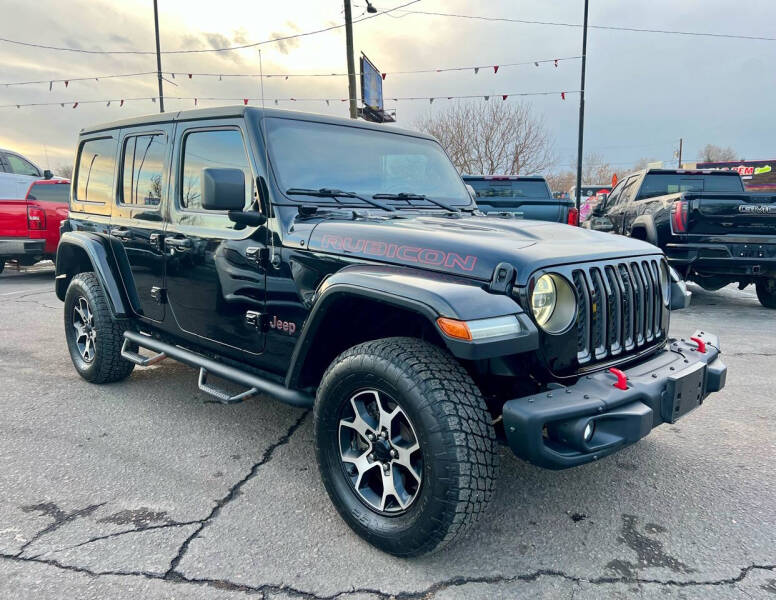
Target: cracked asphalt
x,y
141,489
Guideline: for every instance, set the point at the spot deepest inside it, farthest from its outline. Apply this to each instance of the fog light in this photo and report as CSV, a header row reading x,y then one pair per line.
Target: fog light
x,y
587,434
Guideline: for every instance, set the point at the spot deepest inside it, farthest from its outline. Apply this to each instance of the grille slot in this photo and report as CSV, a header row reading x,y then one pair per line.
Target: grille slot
x,y
619,309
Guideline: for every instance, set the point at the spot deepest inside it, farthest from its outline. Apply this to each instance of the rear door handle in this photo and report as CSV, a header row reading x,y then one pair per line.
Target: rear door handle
x,y
177,242
121,233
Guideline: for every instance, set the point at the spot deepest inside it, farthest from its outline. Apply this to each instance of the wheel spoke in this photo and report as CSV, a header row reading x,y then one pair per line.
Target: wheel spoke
x,y
405,454
358,424
389,490
362,465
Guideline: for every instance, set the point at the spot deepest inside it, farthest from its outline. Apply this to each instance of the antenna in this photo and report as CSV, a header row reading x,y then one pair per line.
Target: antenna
x,y
266,156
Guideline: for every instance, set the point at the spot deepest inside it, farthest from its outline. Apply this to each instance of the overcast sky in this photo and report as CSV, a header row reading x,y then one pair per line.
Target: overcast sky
x,y
644,90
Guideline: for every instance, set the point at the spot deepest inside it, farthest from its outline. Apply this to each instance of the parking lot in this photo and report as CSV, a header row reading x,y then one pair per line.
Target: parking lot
x,y
142,488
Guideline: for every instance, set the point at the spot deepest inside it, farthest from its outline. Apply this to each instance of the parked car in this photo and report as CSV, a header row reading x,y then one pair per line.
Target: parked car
x,y
341,265
29,228
591,196
16,175
712,231
521,196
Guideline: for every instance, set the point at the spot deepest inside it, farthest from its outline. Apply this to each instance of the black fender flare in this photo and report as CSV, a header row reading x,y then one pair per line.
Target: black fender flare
x,y
73,245
430,295
647,223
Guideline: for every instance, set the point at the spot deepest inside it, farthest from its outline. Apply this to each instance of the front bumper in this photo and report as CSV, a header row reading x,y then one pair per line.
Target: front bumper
x,y
742,257
546,429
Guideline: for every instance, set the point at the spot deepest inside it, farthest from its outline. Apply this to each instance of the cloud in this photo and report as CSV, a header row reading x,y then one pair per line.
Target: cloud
x,y
284,46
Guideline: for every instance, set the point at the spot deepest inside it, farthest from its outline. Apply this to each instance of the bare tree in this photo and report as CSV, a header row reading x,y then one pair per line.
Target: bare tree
x,y
494,137
596,170
643,163
713,153
65,171
562,181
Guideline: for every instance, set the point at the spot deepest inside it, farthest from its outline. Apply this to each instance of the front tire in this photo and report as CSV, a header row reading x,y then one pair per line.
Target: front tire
x,y
94,337
404,444
766,292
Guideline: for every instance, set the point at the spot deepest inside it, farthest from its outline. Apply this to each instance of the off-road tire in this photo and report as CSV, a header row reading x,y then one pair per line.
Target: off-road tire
x,y
453,426
107,365
766,292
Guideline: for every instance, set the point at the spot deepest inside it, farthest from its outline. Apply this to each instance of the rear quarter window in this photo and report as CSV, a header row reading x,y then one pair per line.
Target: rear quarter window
x,y
50,192
94,171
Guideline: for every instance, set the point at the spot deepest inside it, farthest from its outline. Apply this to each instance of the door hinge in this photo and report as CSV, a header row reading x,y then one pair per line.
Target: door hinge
x,y
159,295
255,319
257,254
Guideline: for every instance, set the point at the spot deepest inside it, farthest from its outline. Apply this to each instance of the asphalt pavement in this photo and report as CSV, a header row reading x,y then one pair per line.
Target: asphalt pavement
x,y
141,489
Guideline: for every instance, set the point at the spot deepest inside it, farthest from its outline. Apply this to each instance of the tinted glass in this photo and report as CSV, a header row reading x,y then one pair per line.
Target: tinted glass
x,y
143,170
204,149
318,155
50,192
659,184
19,166
509,189
95,171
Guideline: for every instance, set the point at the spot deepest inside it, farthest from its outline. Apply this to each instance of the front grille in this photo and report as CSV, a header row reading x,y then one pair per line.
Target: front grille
x,y
619,309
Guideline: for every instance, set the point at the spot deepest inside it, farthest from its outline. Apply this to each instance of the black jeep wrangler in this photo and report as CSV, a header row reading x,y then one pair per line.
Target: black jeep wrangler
x,y
343,266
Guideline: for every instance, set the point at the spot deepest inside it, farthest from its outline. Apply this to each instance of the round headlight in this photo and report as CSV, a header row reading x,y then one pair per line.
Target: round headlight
x,y
553,303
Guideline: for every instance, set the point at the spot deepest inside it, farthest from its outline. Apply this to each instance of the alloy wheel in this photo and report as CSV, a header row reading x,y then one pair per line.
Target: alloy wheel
x,y
85,333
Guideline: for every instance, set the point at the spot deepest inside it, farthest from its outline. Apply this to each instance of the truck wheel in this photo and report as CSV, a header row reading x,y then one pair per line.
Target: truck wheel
x,y
404,444
94,337
766,292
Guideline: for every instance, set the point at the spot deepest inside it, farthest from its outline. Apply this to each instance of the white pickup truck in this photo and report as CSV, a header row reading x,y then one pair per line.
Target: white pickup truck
x,y
16,175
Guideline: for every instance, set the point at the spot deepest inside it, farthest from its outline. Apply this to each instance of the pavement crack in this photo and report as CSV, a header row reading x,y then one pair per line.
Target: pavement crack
x,y
128,531
231,495
50,509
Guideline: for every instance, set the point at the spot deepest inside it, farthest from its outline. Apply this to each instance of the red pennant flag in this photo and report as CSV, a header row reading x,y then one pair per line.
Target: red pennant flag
x,y
121,103
286,77
245,100
556,62
189,75
344,100
563,95
66,83
504,97
449,97
195,101
75,104
292,99
51,83
495,69
384,74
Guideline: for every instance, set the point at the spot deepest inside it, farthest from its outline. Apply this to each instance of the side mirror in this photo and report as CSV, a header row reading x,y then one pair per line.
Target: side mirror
x,y
223,189
47,174
600,208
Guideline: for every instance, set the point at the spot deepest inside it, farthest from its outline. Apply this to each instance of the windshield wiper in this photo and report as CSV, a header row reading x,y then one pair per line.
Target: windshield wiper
x,y
332,193
406,196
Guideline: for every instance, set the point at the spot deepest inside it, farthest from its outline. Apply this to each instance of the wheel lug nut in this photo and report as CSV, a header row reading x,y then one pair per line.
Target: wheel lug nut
x,y
371,457
370,437
386,467
394,453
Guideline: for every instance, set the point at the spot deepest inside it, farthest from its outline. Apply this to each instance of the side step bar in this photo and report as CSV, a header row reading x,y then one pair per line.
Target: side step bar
x,y
256,384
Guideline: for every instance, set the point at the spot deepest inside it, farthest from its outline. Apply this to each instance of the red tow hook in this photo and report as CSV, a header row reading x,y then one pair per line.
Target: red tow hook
x,y
701,344
622,379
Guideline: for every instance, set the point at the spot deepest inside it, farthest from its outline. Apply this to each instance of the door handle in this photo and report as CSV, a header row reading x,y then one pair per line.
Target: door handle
x,y
121,233
177,242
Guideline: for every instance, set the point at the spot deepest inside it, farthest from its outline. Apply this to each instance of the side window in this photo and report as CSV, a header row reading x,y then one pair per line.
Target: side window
x,y
143,170
94,175
19,166
628,191
222,148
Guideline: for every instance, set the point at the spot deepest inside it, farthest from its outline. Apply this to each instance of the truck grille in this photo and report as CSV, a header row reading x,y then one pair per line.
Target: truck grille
x,y
619,309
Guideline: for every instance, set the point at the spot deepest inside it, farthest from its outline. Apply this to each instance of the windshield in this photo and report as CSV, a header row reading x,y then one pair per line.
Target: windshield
x,y
311,155
505,189
659,184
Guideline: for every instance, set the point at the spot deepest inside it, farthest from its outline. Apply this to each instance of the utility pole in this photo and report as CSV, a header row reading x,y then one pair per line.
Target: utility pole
x,y
581,111
351,64
679,165
158,58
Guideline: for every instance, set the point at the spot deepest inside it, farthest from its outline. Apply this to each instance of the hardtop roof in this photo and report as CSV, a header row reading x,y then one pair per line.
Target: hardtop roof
x,y
222,112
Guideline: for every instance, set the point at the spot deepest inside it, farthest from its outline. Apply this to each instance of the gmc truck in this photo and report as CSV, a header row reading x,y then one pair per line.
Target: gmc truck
x,y
342,266
712,231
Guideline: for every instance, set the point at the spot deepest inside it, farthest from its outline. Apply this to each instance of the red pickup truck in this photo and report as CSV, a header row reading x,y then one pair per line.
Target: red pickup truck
x,y
29,228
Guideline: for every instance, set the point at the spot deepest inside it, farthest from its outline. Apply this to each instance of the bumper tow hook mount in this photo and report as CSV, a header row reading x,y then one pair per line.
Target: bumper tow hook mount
x,y
622,379
701,344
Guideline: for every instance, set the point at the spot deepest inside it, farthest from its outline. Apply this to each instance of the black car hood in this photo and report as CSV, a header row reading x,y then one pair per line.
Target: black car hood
x,y
471,246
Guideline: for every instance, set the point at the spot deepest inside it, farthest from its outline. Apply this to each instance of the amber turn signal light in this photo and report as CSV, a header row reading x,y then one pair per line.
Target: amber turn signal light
x,y
454,328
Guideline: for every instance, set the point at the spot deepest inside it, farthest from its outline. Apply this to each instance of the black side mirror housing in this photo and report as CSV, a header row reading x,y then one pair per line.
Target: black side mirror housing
x,y
223,189
47,174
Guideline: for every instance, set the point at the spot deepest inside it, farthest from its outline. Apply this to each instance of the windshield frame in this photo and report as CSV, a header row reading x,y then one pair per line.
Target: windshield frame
x,y
282,198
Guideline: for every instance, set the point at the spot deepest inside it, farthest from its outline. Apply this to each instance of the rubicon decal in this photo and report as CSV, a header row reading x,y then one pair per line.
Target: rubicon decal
x,y
411,254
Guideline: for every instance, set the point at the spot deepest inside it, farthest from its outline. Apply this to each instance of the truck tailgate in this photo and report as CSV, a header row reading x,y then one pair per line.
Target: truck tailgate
x,y
727,213
13,218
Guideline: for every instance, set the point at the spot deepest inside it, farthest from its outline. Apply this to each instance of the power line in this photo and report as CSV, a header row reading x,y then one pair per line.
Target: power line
x,y
247,100
606,27
204,50
172,74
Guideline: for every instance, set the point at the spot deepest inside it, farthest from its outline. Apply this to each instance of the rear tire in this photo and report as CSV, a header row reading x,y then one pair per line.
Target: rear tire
x,y
766,292
94,337
444,432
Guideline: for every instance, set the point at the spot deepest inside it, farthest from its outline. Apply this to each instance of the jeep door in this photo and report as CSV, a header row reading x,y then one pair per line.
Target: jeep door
x,y
215,287
137,223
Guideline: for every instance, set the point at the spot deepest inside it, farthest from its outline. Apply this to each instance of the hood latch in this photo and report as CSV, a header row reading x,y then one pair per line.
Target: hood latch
x,y
502,278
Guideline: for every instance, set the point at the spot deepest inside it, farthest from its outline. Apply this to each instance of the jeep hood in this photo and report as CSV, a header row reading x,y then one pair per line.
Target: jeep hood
x,y
470,246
